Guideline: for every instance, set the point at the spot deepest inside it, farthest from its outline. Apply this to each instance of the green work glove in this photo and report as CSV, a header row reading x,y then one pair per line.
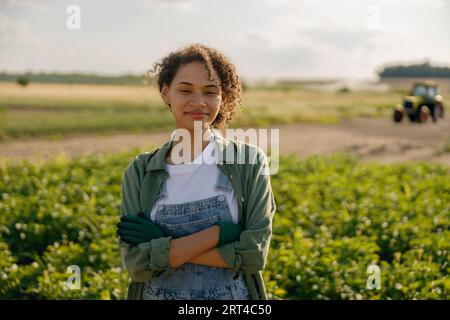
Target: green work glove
x,y
138,229
229,232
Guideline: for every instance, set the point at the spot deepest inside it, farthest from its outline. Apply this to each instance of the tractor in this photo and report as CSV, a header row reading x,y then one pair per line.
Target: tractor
x,y
423,100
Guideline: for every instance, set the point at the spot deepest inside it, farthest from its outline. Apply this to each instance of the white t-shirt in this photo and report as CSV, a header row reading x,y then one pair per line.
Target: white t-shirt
x,y
196,181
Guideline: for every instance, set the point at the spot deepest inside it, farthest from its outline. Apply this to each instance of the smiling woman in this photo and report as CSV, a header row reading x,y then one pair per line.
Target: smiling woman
x,y
198,70
199,229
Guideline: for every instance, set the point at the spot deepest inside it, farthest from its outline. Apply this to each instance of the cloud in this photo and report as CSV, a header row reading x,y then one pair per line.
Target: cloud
x,y
263,37
15,30
181,5
23,5
15,33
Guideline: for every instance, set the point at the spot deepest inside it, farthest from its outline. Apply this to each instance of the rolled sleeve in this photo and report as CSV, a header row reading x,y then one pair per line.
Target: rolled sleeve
x,y
229,255
144,260
249,254
159,257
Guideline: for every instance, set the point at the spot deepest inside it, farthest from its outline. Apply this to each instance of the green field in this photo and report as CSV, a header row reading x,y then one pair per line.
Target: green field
x,y
335,217
66,109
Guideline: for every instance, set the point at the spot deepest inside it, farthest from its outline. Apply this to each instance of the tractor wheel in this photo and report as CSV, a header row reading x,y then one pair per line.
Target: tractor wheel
x,y
438,111
398,116
423,114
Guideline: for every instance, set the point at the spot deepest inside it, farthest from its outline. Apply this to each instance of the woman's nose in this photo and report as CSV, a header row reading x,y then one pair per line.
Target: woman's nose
x,y
198,99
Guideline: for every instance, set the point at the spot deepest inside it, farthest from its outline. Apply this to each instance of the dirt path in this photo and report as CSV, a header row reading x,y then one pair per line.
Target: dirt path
x,y
371,139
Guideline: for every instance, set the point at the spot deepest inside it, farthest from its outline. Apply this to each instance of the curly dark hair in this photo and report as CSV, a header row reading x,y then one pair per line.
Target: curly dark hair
x,y
166,69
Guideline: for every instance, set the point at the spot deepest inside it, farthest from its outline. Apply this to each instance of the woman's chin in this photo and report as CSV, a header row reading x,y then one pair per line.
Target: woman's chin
x,y
191,125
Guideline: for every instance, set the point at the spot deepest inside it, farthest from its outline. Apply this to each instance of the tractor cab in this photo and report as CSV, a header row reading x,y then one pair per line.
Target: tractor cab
x,y
426,90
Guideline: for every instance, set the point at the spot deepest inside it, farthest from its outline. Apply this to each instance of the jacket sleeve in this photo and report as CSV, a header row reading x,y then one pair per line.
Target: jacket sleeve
x,y
249,254
144,260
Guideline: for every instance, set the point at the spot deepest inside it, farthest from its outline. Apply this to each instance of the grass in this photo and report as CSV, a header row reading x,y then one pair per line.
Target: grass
x,y
65,109
444,148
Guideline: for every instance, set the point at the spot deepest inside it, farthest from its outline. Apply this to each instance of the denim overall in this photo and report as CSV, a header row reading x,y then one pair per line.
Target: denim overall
x,y
194,281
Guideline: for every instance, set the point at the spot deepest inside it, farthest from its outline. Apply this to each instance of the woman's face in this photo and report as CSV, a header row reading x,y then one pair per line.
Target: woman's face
x,y
192,96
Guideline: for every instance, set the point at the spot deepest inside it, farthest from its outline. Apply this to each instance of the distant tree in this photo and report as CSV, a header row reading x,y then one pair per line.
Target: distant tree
x,y
87,78
422,70
343,89
23,81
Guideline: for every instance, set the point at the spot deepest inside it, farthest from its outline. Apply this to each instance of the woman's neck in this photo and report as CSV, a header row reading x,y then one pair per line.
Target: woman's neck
x,y
198,140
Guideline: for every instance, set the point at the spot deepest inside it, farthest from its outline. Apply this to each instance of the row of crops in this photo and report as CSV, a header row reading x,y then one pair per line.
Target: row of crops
x,y
336,216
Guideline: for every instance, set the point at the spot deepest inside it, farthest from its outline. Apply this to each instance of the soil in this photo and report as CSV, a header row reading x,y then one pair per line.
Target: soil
x,y
370,139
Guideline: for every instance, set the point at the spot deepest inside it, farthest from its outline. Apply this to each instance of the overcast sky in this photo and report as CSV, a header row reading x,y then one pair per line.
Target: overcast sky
x,y
264,38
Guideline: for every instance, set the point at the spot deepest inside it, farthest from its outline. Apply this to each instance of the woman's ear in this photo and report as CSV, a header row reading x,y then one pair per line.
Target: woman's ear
x,y
165,94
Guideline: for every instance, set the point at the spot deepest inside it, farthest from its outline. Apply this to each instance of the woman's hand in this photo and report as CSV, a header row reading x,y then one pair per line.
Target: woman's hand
x,y
138,229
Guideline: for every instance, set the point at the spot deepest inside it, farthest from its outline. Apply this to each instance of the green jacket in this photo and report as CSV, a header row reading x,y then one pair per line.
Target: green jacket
x,y
256,207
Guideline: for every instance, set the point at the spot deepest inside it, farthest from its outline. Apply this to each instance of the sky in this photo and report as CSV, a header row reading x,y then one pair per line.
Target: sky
x,y
268,39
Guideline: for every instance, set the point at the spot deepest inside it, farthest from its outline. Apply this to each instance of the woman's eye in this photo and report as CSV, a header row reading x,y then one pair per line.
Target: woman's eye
x,y
211,93
185,91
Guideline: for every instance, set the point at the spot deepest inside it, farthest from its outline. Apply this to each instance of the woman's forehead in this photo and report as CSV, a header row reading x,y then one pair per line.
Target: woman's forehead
x,y
195,73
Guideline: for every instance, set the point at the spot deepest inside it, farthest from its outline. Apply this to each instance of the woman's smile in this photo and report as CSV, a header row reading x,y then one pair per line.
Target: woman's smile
x,y
197,114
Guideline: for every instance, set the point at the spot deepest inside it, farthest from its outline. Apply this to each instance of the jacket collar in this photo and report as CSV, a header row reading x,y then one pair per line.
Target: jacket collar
x,y
226,147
